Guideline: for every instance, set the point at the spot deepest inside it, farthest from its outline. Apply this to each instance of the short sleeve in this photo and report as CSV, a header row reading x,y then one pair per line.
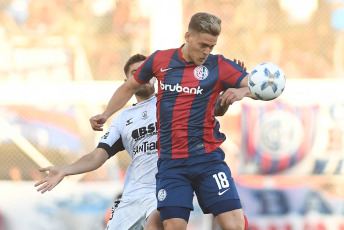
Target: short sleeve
x,y
230,73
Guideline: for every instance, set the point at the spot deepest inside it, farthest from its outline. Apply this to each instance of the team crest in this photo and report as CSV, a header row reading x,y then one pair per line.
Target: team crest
x,y
144,115
162,194
201,72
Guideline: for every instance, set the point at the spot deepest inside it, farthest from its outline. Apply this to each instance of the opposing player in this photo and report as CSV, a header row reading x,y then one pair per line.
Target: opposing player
x,y
190,158
135,130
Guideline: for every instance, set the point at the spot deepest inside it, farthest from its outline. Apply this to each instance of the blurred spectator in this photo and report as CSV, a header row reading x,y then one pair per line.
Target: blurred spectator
x,y
15,173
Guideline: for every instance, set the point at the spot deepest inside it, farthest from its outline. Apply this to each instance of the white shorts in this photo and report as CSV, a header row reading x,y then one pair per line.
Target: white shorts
x,y
131,215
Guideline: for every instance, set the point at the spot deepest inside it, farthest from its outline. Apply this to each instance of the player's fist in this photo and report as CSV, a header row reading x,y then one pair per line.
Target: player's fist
x,y
98,121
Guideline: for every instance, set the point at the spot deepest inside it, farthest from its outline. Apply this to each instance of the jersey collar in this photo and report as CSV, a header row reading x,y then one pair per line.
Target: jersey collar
x,y
180,53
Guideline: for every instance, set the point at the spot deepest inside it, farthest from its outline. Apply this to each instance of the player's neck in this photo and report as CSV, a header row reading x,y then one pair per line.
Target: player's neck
x,y
185,54
140,98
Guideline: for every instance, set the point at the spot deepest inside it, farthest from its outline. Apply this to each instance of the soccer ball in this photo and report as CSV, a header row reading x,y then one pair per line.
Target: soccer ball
x,y
266,81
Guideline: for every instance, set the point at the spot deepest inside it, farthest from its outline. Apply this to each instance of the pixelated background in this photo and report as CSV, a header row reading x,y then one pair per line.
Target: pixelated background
x,y
61,60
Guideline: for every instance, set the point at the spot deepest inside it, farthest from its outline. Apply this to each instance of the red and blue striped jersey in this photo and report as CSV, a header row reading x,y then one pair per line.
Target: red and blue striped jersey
x,y
186,99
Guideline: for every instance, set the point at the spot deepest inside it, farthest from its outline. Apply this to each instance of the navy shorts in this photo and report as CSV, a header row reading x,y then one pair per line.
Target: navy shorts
x,y
207,175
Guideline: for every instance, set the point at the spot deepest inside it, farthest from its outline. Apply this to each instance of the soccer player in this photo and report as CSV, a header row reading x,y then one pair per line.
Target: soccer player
x,y
190,80
135,130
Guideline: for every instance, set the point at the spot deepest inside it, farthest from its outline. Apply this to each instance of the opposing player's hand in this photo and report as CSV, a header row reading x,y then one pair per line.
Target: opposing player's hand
x,y
54,177
232,95
98,121
240,63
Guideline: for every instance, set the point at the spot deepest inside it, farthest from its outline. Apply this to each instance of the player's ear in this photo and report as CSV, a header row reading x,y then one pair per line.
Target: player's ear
x,y
187,36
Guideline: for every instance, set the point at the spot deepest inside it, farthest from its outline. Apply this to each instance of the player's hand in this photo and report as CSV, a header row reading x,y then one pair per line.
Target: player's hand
x,y
54,177
98,121
232,95
240,63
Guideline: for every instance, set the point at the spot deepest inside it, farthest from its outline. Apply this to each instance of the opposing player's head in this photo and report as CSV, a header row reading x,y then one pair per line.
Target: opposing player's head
x,y
201,37
130,68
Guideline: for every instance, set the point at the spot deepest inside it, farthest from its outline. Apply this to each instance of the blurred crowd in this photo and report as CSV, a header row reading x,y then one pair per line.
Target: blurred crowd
x,y
111,30
104,28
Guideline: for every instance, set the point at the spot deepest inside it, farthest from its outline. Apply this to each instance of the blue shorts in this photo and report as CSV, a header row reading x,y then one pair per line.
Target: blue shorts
x,y
207,175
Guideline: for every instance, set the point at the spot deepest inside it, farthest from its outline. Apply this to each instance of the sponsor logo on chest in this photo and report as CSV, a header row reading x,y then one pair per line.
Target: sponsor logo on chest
x,y
200,73
144,131
179,89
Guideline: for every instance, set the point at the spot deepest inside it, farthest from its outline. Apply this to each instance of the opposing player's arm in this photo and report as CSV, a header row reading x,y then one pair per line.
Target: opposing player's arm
x,y
220,110
87,163
118,100
122,95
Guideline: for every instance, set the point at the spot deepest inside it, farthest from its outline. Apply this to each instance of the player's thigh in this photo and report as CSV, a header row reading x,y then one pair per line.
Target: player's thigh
x,y
231,220
173,186
175,223
150,213
215,185
154,221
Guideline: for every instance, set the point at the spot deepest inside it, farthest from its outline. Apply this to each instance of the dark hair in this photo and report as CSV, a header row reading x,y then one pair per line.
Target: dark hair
x,y
133,59
203,22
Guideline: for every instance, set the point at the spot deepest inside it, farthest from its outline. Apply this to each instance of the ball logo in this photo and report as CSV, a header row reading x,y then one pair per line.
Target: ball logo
x,y
201,72
162,194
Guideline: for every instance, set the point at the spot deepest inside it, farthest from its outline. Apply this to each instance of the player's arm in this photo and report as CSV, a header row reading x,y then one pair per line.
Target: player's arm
x,y
220,110
228,97
236,94
244,85
87,163
244,82
118,100
231,95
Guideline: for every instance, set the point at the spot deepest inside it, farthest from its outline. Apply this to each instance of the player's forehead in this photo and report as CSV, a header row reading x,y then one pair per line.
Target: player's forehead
x,y
205,39
133,67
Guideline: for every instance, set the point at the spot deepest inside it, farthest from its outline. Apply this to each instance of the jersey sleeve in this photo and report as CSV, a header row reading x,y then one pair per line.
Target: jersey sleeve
x,y
230,73
111,141
145,71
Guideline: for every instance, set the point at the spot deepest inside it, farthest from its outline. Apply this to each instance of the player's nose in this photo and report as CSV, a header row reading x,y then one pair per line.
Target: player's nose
x,y
207,51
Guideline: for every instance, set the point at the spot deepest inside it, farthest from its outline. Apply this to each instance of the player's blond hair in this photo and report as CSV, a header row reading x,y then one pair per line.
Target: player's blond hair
x,y
203,22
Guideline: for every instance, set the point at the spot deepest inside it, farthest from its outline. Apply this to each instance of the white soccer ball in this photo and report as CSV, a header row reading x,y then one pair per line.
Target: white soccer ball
x,y
266,81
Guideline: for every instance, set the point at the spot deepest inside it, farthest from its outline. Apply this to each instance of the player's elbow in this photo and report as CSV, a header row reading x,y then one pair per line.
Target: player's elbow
x,y
132,85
